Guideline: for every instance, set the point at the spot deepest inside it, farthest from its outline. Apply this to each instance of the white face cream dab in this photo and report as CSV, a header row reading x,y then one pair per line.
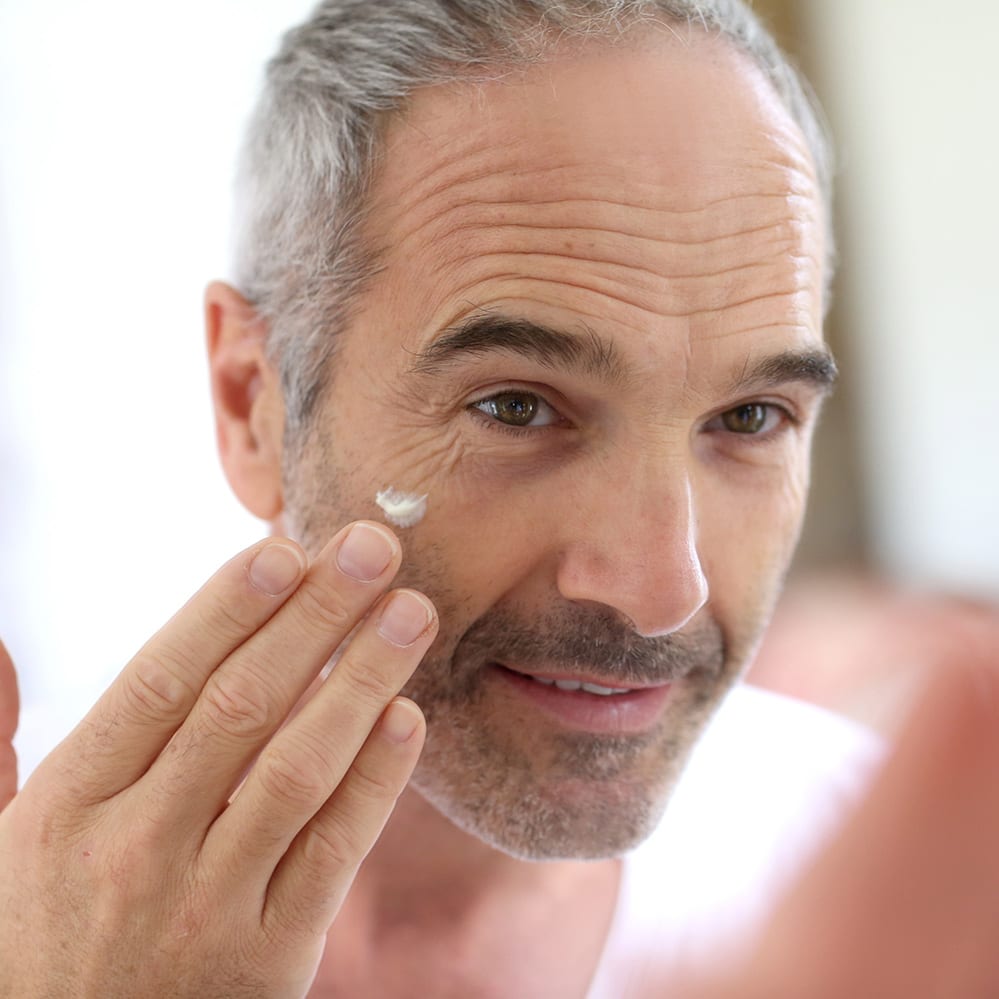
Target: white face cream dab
x,y
401,509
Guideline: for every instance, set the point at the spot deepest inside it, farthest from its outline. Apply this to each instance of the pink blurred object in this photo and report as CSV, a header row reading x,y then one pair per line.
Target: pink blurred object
x,y
862,646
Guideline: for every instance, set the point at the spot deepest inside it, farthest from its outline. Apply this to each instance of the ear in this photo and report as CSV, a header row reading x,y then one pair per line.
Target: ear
x,y
246,394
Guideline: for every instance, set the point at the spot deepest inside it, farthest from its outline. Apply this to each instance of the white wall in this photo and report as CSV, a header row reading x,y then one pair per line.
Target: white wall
x,y
913,91
118,129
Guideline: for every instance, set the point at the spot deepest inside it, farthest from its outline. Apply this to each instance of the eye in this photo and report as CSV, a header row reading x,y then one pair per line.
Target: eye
x,y
518,410
753,419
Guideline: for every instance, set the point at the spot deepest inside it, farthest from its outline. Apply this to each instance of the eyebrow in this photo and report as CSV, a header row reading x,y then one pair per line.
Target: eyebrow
x,y
588,352
485,333
814,366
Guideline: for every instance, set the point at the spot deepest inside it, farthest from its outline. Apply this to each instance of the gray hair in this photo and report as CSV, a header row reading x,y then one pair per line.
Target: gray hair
x,y
312,143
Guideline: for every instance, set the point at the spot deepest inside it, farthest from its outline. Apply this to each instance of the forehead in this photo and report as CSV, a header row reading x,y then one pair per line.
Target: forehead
x,y
640,185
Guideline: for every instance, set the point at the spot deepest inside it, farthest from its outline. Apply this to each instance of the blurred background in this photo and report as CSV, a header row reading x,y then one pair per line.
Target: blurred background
x,y
118,128
898,570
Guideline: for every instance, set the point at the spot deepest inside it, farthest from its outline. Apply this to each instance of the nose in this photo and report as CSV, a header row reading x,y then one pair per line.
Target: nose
x,y
635,550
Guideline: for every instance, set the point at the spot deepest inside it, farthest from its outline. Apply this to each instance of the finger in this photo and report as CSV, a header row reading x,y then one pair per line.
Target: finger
x,y
312,880
249,697
303,765
130,724
10,701
9,710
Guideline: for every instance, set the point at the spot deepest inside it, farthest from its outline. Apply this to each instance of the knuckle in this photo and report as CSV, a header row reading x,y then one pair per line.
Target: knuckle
x,y
235,709
283,922
367,681
192,917
374,784
154,686
227,620
334,843
296,778
324,610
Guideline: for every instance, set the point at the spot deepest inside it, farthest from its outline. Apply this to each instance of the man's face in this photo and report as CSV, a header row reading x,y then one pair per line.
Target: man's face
x,y
595,344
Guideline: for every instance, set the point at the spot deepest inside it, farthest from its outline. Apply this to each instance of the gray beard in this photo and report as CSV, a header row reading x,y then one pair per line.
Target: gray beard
x,y
578,794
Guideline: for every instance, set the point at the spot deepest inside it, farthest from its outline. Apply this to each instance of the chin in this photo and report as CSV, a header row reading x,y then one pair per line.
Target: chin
x,y
575,819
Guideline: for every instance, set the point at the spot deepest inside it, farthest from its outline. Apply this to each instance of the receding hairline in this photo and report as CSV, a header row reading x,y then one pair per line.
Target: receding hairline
x,y
339,77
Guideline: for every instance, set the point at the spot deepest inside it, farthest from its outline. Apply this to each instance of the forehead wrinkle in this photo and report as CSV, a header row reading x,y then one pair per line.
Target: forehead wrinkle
x,y
782,253
672,289
604,211
618,243
598,317
633,225
656,296
655,313
652,292
592,230
482,171
713,334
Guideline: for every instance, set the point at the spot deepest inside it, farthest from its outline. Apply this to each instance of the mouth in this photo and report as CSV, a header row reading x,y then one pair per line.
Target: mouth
x,y
573,684
582,702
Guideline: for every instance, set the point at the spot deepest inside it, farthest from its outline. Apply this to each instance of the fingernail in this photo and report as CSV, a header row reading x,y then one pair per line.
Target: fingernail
x,y
275,567
365,553
406,617
401,720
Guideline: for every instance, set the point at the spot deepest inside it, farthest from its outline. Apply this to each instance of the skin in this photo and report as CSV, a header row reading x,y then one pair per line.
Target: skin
x,y
197,834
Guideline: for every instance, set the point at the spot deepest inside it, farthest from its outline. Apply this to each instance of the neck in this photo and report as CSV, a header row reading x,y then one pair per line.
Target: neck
x,y
430,890
426,866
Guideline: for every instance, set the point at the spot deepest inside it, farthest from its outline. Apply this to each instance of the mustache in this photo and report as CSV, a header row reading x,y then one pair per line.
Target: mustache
x,y
589,640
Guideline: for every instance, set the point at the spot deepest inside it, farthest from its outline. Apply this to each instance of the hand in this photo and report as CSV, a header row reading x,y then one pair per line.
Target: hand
x,y
9,707
127,864
905,903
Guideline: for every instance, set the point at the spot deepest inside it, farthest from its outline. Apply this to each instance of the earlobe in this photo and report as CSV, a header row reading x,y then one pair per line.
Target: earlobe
x,y
246,395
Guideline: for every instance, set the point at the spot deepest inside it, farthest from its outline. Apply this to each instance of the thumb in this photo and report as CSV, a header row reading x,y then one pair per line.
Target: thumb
x,y
9,709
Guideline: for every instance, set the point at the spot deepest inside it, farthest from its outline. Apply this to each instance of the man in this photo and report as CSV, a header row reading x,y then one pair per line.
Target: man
x,y
561,272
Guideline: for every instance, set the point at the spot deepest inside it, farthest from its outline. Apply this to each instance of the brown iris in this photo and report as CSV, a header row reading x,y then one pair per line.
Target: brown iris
x,y
749,419
517,409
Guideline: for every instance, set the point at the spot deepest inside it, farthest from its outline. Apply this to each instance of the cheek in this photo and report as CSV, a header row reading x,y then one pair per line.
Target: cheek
x,y
480,533
746,538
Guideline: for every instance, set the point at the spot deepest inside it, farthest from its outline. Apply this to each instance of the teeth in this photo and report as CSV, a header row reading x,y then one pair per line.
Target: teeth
x,y
590,688
595,688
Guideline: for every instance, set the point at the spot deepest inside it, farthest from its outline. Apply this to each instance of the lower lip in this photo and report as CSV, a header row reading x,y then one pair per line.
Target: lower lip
x,y
613,714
